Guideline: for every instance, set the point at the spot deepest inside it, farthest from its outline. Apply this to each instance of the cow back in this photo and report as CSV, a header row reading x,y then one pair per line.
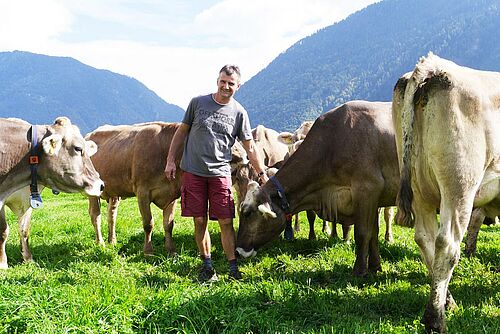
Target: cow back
x,y
133,157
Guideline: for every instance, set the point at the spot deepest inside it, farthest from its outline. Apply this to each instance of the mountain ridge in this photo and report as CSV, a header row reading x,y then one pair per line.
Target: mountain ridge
x,y
362,56
38,88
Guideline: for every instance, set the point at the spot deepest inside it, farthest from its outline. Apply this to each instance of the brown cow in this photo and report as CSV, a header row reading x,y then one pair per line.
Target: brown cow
x,y
348,169
293,140
131,160
63,163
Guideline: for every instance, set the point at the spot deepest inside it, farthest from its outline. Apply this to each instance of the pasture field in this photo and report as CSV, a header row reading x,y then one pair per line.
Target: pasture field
x,y
302,286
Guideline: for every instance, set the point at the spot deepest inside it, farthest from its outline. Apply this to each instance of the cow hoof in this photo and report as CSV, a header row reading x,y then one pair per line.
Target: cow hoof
x,y
360,273
450,301
148,251
4,266
171,252
434,320
27,257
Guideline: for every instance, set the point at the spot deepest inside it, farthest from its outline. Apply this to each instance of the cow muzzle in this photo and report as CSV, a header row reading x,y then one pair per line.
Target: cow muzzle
x,y
95,189
245,254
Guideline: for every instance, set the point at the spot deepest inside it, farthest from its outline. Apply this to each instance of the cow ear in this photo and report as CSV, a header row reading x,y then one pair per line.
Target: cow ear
x,y
266,210
286,138
90,147
52,144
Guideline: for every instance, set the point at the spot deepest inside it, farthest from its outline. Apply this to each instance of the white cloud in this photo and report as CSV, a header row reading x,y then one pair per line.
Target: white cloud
x,y
177,46
26,24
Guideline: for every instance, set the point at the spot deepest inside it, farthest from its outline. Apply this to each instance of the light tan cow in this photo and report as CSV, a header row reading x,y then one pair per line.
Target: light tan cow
x,y
63,164
131,160
447,122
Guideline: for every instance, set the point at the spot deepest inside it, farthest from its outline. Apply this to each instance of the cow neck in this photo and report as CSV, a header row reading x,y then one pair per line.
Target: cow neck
x,y
35,198
285,206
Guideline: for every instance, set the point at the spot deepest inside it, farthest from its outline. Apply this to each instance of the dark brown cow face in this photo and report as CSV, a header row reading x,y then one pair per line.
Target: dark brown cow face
x,y
65,163
259,222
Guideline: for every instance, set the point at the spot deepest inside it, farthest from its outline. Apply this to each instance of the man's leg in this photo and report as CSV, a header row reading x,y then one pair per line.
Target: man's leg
x,y
228,239
222,207
202,237
194,199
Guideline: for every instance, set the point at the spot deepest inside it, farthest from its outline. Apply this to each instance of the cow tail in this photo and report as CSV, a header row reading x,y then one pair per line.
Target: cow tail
x,y
405,194
423,71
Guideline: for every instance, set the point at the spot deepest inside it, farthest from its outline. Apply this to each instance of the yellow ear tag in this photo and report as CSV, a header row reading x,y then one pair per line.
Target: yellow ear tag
x,y
52,148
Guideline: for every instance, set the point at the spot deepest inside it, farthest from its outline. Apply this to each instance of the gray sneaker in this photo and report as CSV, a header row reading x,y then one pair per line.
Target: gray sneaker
x,y
207,275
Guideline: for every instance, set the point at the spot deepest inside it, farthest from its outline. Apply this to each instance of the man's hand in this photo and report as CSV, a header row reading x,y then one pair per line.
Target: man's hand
x,y
170,170
263,178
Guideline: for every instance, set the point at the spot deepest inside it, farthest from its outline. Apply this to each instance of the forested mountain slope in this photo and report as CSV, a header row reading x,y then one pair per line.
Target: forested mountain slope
x,y
362,57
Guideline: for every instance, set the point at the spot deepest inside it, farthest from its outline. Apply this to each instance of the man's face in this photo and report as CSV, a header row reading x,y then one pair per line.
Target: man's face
x,y
227,85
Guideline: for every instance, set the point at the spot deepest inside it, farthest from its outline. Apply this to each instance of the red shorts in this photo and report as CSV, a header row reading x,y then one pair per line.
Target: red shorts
x,y
197,192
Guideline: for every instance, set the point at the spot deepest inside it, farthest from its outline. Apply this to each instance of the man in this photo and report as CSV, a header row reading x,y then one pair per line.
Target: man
x,y
209,129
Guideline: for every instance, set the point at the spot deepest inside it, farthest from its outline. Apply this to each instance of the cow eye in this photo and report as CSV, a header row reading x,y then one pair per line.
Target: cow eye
x,y
79,149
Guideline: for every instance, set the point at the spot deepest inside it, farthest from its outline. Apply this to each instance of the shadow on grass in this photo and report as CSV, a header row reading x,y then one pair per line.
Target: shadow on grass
x,y
259,309
277,306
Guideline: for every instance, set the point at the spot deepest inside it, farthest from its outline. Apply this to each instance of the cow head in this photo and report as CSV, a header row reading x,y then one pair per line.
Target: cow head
x,y
260,220
65,160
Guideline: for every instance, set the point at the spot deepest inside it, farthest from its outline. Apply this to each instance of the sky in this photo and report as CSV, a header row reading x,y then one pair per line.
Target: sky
x,y
174,47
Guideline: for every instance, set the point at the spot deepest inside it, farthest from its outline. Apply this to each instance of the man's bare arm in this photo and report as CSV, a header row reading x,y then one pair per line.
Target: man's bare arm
x,y
176,147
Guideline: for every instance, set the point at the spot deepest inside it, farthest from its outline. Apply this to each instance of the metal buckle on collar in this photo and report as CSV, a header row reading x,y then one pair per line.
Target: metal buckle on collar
x,y
35,197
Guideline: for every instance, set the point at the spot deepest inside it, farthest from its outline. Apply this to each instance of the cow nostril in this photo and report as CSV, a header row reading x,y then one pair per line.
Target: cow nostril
x,y
102,186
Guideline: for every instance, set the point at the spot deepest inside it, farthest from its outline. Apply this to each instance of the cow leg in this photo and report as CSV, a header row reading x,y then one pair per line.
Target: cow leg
x,y
24,233
425,234
95,218
476,220
4,233
288,234
388,218
168,226
22,209
454,220
311,217
326,228
296,227
362,239
374,251
113,203
367,255
147,222
334,234
346,229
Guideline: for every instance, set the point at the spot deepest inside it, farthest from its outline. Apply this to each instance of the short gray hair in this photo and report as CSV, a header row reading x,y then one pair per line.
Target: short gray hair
x,y
230,69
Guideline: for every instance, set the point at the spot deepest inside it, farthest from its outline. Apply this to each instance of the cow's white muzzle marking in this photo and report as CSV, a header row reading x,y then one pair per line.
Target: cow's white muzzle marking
x,y
245,254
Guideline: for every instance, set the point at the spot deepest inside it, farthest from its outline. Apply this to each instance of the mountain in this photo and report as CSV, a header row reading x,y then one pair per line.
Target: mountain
x,y
39,88
362,57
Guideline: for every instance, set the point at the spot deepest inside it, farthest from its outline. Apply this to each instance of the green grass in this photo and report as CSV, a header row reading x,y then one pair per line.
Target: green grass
x,y
303,286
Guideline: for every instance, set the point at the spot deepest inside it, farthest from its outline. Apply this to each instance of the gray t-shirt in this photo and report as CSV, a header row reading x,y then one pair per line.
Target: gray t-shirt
x,y
214,128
